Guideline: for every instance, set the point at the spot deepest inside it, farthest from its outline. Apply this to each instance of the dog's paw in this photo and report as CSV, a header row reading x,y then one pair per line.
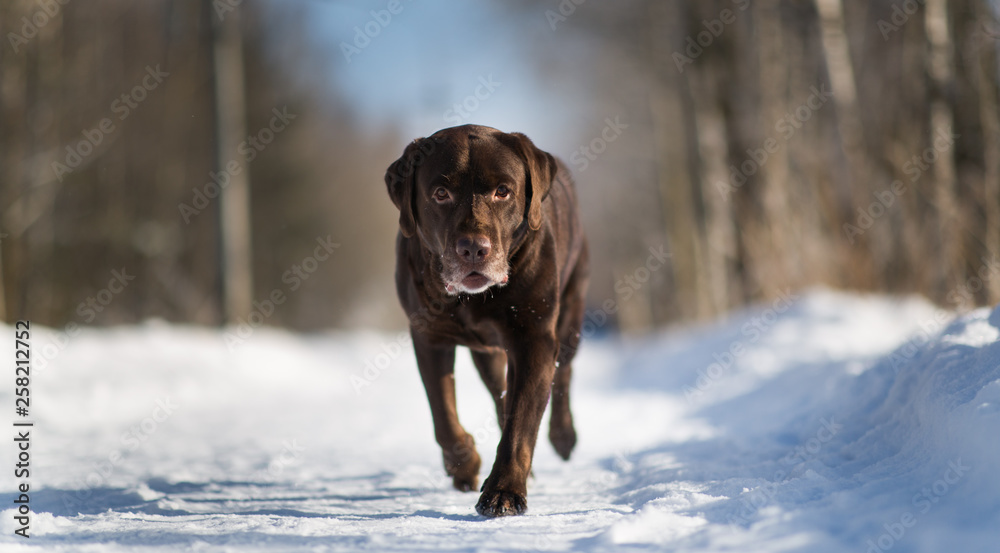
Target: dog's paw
x,y
563,440
465,483
498,503
462,463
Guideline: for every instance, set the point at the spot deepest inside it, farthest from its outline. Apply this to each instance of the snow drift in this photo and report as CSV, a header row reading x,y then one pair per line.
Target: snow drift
x,y
826,422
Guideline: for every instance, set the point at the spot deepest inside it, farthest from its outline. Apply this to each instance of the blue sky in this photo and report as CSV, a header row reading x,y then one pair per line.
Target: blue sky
x,y
434,54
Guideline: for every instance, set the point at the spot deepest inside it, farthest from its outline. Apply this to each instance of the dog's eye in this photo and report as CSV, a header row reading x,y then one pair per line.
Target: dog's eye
x,y
441,195
502,191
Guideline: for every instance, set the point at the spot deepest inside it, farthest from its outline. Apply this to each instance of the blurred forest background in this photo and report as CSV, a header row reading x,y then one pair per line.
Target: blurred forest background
x,y
765,145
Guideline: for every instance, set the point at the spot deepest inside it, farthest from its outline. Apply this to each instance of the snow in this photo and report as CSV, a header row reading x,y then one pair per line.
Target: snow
x,y
823,422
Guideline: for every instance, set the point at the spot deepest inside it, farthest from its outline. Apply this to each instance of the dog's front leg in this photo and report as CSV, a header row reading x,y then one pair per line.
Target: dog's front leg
x,y
437,370
529,381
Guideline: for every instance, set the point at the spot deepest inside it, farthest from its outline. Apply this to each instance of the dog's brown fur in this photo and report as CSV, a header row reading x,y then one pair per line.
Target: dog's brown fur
x,y
501,270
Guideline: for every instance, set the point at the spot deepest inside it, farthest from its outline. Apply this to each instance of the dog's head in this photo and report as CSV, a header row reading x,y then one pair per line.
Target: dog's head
x,y
467,193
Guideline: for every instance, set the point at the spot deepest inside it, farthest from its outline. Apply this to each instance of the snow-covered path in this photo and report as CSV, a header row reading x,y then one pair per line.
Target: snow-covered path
x,y
827,422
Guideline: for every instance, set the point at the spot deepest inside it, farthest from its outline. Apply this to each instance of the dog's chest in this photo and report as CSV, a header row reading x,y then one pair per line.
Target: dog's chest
x,y
469,327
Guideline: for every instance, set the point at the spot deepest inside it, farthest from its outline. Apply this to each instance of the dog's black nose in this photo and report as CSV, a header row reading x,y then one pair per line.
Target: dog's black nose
x,y
473,248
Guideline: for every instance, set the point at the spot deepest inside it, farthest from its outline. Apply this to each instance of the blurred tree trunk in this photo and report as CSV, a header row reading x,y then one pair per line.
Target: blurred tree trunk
x,y
987,79
677,170
850,132
737,59
950,268
715,230
234,198
774,69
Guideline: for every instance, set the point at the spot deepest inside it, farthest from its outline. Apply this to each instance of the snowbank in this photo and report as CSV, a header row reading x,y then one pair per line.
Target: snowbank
x,y
826,422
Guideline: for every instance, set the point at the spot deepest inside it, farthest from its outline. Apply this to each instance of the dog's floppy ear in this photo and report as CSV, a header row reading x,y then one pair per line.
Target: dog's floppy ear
x,y
541,169
401,181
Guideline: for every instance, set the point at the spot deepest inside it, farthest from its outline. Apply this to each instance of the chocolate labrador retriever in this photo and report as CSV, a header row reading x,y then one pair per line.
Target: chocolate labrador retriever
x,y
491,255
